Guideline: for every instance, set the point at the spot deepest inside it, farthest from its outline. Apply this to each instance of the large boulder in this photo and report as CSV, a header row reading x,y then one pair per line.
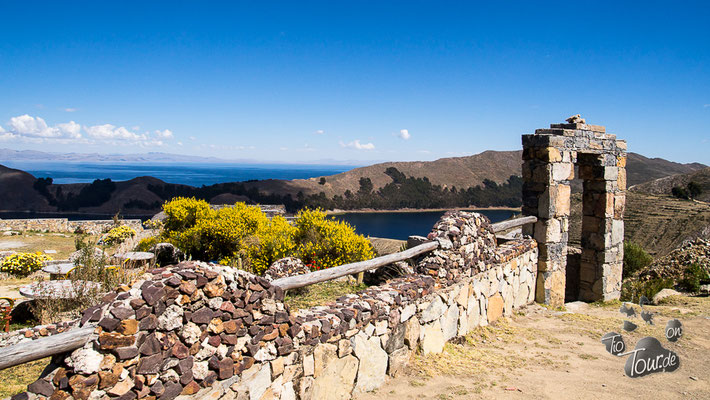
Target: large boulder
x,y
166,254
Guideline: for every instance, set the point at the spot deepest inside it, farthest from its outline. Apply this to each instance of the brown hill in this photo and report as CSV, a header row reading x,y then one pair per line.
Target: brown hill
x,y
663,186
641,169
17,193
461,172
659,224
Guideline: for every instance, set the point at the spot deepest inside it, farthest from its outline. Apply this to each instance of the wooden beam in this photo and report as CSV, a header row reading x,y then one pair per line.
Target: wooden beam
x,y
310,278
512,223
44,347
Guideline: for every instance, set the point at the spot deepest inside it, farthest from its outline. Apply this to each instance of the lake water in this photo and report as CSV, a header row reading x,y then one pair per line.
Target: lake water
x,y
193,174
401,225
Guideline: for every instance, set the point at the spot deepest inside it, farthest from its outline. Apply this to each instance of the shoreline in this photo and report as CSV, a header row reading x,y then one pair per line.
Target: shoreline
x,y
415,210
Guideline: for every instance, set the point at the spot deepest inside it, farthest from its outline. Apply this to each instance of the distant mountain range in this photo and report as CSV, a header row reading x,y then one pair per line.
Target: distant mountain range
x,y
491,171
150,157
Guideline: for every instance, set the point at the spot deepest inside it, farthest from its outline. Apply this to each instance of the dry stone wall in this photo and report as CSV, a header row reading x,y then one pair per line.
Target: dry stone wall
x,y
93,227
213,332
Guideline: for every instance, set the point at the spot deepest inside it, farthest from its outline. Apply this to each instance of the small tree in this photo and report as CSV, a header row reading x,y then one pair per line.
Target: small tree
x,y
694,189
635,259
321,181
679,192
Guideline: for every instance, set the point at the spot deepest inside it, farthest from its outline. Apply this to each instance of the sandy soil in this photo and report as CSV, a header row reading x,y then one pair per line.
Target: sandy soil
x,y
547,354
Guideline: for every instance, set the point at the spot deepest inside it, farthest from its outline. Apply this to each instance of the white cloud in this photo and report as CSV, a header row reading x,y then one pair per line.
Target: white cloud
x,y
165,134
404,134
192,138
179,143
35,127
358,146
69,109
70,129
320,132
108,131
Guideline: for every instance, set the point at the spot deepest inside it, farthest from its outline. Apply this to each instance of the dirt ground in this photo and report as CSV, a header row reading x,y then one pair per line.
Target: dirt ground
x,y
548,354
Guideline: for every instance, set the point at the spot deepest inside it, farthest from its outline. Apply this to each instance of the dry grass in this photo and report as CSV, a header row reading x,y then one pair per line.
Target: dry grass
x,y
320,294
15,379
63,243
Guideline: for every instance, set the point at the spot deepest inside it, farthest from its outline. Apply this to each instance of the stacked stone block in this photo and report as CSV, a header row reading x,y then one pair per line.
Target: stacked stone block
x,y
209,331
549,159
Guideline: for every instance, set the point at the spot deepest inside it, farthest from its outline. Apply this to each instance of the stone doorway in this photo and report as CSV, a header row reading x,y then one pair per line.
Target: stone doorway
x,y
549,159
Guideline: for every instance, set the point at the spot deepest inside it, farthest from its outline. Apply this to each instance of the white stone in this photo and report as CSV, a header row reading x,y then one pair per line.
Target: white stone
x,y
257,379
432,339
380,327
171,319
449,322
308,365
337,380
200,370
407,312
190,333
86,361
288,393
435,310
373,363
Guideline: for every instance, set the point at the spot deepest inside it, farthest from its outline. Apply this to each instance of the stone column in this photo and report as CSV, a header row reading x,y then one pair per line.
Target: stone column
x,y
547,171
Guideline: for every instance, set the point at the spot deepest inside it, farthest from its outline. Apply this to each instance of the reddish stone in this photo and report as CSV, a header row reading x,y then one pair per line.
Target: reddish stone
x,y
187,287
271,335
152,294
214,341
42,387
150,346
128,327
137,303
109,341
125,353
190,388
202,316
107,379
150,364
180,351
59,395
226,368
149,323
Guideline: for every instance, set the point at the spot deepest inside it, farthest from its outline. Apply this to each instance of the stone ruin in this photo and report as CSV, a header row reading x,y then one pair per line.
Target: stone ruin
x,y
549,160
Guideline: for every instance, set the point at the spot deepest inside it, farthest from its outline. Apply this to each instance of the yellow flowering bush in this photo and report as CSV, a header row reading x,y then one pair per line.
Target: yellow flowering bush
x,y
324,242
119,234
242,235
23,264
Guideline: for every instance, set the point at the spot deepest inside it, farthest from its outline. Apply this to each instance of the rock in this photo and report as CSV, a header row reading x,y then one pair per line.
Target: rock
x,y
323,354
495,307
121,388
166,254
86,361
256,380
336,380
398,362
190,333
171,319
41,387
449,322
412,331
435,310
288,266
373,363
432,338
663,294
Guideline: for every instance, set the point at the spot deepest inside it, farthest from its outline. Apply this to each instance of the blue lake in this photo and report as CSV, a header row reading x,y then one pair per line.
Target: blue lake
x,y
194,174
400,225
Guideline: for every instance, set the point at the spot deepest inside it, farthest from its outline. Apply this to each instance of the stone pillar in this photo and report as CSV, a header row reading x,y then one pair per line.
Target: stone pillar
x,y
549,157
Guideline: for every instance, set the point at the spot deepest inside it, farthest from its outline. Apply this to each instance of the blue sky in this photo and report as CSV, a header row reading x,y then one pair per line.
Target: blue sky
x,y
364,81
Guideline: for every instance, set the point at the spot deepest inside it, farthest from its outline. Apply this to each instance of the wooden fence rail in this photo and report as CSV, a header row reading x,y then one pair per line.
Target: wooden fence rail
x,y
44,347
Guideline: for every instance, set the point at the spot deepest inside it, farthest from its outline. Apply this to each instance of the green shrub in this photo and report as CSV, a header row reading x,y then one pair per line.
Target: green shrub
x,y
23,264
692,278
633,289
635,259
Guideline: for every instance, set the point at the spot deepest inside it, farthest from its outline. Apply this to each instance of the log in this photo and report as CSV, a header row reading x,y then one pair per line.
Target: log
x,y
512,223
44,347
310,278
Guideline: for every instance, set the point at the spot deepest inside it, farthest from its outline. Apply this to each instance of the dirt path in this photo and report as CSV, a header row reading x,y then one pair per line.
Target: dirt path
x,y
543,354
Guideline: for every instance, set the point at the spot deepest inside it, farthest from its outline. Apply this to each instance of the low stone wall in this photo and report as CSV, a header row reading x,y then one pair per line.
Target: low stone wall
x,y
216,332
64,225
